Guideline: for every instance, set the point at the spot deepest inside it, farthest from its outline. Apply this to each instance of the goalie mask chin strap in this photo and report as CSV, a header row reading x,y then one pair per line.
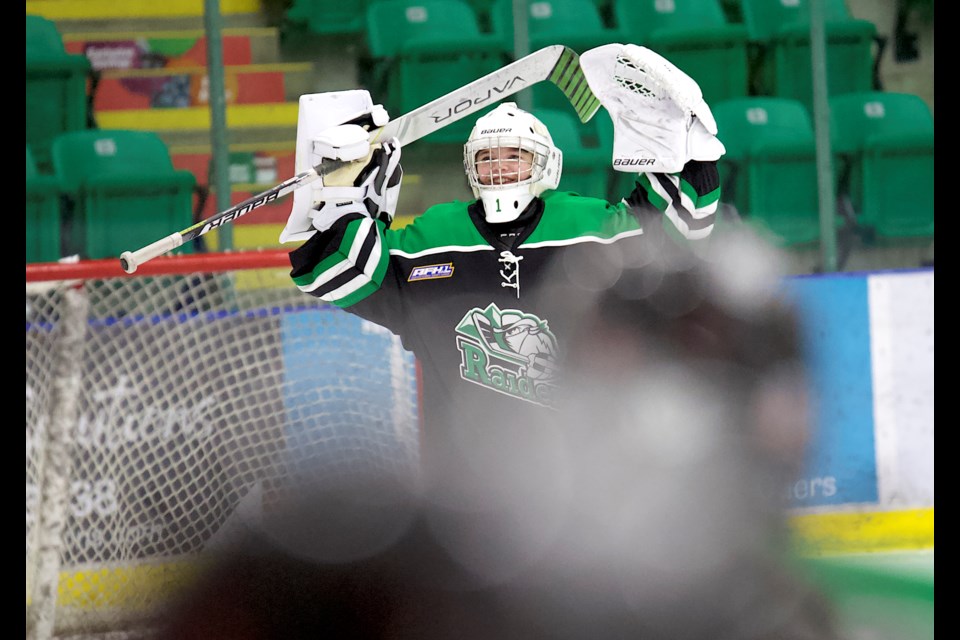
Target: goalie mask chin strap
x,y
505,205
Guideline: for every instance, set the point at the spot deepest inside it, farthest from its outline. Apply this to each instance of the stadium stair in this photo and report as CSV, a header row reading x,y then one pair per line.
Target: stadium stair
x,y
151,61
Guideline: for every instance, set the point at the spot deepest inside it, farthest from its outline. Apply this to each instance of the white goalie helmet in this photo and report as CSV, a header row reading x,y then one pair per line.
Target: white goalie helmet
x,y
510,159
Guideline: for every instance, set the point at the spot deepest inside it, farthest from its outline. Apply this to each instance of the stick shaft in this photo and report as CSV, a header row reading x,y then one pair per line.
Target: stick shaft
x,y
130,260
557,63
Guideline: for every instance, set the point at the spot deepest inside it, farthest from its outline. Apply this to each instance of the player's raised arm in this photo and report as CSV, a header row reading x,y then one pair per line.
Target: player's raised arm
x,y
663,130
343,215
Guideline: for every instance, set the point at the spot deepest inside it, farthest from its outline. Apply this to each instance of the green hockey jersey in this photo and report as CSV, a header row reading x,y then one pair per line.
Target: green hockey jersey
x,y
475,305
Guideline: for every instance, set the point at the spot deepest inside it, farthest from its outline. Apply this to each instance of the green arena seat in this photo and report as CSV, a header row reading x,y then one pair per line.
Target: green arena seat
x,y
769,171
57,88
422,49
482,8
584,166
327,17
695,36
780,31
883,148
574,23
123,190
43,215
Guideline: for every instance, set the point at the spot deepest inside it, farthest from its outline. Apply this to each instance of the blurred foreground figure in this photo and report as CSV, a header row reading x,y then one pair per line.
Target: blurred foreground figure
x,y
648,506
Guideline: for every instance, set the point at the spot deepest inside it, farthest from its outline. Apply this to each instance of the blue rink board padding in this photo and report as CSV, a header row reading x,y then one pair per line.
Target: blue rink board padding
x,y
337,390
841,465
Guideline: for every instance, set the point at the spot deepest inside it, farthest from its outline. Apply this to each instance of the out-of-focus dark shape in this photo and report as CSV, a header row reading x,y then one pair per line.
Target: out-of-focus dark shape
x,y
650,506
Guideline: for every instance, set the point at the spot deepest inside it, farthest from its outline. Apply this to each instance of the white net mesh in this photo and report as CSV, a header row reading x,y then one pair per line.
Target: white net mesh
x,y
200,398
632,78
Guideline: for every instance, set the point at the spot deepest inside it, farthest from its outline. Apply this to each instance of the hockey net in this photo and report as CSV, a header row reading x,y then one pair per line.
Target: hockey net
x,y
164,409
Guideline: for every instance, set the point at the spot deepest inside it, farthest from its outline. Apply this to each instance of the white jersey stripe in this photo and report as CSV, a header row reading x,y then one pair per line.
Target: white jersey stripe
x,y
581,239
674,216
326,276
700,213
433,250
348,263
364,277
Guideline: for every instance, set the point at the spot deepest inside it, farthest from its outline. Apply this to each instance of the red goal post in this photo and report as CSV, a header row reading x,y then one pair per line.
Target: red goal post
x,y
165,265
165,411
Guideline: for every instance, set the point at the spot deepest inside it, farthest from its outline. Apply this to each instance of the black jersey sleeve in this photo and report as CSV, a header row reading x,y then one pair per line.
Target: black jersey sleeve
x,y
687,199
349,266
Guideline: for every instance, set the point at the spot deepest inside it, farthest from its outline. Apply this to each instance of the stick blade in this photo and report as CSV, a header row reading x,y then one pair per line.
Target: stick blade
x,y
568,77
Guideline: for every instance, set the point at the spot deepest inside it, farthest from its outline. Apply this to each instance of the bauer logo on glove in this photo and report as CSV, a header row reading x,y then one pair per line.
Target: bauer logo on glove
x,y
633,162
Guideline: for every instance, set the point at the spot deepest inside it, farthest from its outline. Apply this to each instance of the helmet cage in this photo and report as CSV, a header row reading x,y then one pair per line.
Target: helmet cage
x,y
501,180
508,127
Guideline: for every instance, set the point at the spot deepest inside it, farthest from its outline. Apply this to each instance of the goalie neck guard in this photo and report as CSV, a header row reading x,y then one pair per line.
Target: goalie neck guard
x,y
510,159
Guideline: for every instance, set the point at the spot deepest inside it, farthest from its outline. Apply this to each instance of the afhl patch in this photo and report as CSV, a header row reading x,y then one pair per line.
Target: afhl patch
x,y
431,272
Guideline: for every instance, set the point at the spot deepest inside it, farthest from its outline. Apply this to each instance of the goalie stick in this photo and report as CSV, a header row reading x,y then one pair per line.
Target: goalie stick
x,y
557,63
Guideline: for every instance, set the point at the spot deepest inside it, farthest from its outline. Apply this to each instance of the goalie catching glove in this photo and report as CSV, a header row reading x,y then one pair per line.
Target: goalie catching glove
x,y
336,125
660,120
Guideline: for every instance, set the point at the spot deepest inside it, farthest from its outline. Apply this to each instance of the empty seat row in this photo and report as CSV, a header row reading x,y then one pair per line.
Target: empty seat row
x,y
882,160
768,53
419,51
57,90
780,33
43,214
109,191
119,190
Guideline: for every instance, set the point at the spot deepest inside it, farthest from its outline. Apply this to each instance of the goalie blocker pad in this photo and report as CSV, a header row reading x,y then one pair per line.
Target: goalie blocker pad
x,y
317,113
